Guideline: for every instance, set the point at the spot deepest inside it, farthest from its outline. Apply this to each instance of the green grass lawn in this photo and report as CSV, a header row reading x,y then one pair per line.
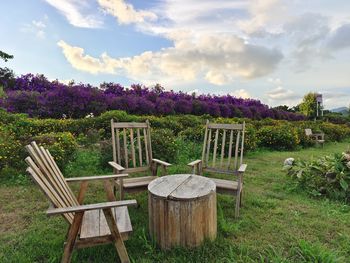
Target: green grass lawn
x,y
277,222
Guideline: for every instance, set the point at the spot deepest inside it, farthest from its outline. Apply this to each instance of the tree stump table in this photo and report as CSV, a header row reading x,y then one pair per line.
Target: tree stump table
x,y
182,210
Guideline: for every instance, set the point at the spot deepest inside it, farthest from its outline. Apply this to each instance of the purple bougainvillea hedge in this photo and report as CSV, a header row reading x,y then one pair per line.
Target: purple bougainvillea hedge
x,y
39,97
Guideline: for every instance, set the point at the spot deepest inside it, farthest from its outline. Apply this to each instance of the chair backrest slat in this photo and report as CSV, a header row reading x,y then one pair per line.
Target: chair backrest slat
x,y
205,140
223,143
45,172
47,190
41,161
131,144
230,150
235,132
126,160
149,140
146,145
236,149
139,145
208,147
132,147
215,146
60,177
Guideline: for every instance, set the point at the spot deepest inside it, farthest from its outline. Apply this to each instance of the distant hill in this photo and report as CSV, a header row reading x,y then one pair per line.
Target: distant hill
x,y
343,110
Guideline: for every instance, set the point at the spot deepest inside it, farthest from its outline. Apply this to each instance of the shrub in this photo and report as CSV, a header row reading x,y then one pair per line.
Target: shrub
x,y
327,176
10,150
61,145
280,137
164,145
39,97
334,132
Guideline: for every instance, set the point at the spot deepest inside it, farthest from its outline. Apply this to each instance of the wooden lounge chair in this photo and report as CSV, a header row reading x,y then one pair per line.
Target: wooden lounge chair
x,y
133,154
229,134
315,137
91,224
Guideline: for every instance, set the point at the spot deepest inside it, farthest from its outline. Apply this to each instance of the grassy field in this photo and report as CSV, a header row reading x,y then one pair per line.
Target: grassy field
x,y
278,223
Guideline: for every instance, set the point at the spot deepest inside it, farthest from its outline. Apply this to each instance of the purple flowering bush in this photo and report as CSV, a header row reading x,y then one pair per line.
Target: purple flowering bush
x,y
39,97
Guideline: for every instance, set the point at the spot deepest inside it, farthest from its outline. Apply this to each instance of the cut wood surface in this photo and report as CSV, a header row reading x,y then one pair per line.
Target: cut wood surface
x,y
182,210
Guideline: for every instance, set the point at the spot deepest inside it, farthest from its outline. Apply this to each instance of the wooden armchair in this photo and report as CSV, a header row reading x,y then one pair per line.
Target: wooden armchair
x,y
132,153
227,164
315,137
89,225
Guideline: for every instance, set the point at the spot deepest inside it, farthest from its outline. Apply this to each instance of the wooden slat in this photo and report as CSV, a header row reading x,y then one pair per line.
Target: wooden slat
x,y
132,147
194,162
104,229
230,150
149,140
223,142
118,146
98,177
125,149
46,187
113,141
136,169
39,162
81,208
208,148
139,146
91,224
234,126
205,140
129,125
58,171
59,177
161,162
146,145
137,182
219,171
47,191
242,144
53,178
116,166
236,150
215,146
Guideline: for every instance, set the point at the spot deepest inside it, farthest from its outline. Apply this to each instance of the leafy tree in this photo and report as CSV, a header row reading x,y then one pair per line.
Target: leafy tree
x,y
309,105
5,56
284,108
6,75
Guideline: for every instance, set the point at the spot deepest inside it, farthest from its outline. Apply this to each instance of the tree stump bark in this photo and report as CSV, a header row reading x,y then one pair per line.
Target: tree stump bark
x,y
182,210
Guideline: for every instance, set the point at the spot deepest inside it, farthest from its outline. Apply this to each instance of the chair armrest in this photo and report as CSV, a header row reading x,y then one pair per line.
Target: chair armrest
x,y
161,162
83,208
98,177
242,168
116,166
194,162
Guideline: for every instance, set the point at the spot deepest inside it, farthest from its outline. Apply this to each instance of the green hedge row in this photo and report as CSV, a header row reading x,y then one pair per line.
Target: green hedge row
x,y
63,136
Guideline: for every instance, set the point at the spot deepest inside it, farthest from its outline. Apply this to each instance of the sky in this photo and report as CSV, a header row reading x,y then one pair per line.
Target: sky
x,y
271,50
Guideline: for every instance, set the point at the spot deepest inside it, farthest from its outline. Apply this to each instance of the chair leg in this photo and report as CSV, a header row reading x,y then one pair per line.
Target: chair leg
x,y
241,198
72,236
118,241
238,202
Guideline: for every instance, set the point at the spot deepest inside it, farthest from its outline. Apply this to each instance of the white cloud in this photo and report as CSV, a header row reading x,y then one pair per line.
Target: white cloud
x,y
265,16
80,61
125,13
36,27
77,13
241,93
213,58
